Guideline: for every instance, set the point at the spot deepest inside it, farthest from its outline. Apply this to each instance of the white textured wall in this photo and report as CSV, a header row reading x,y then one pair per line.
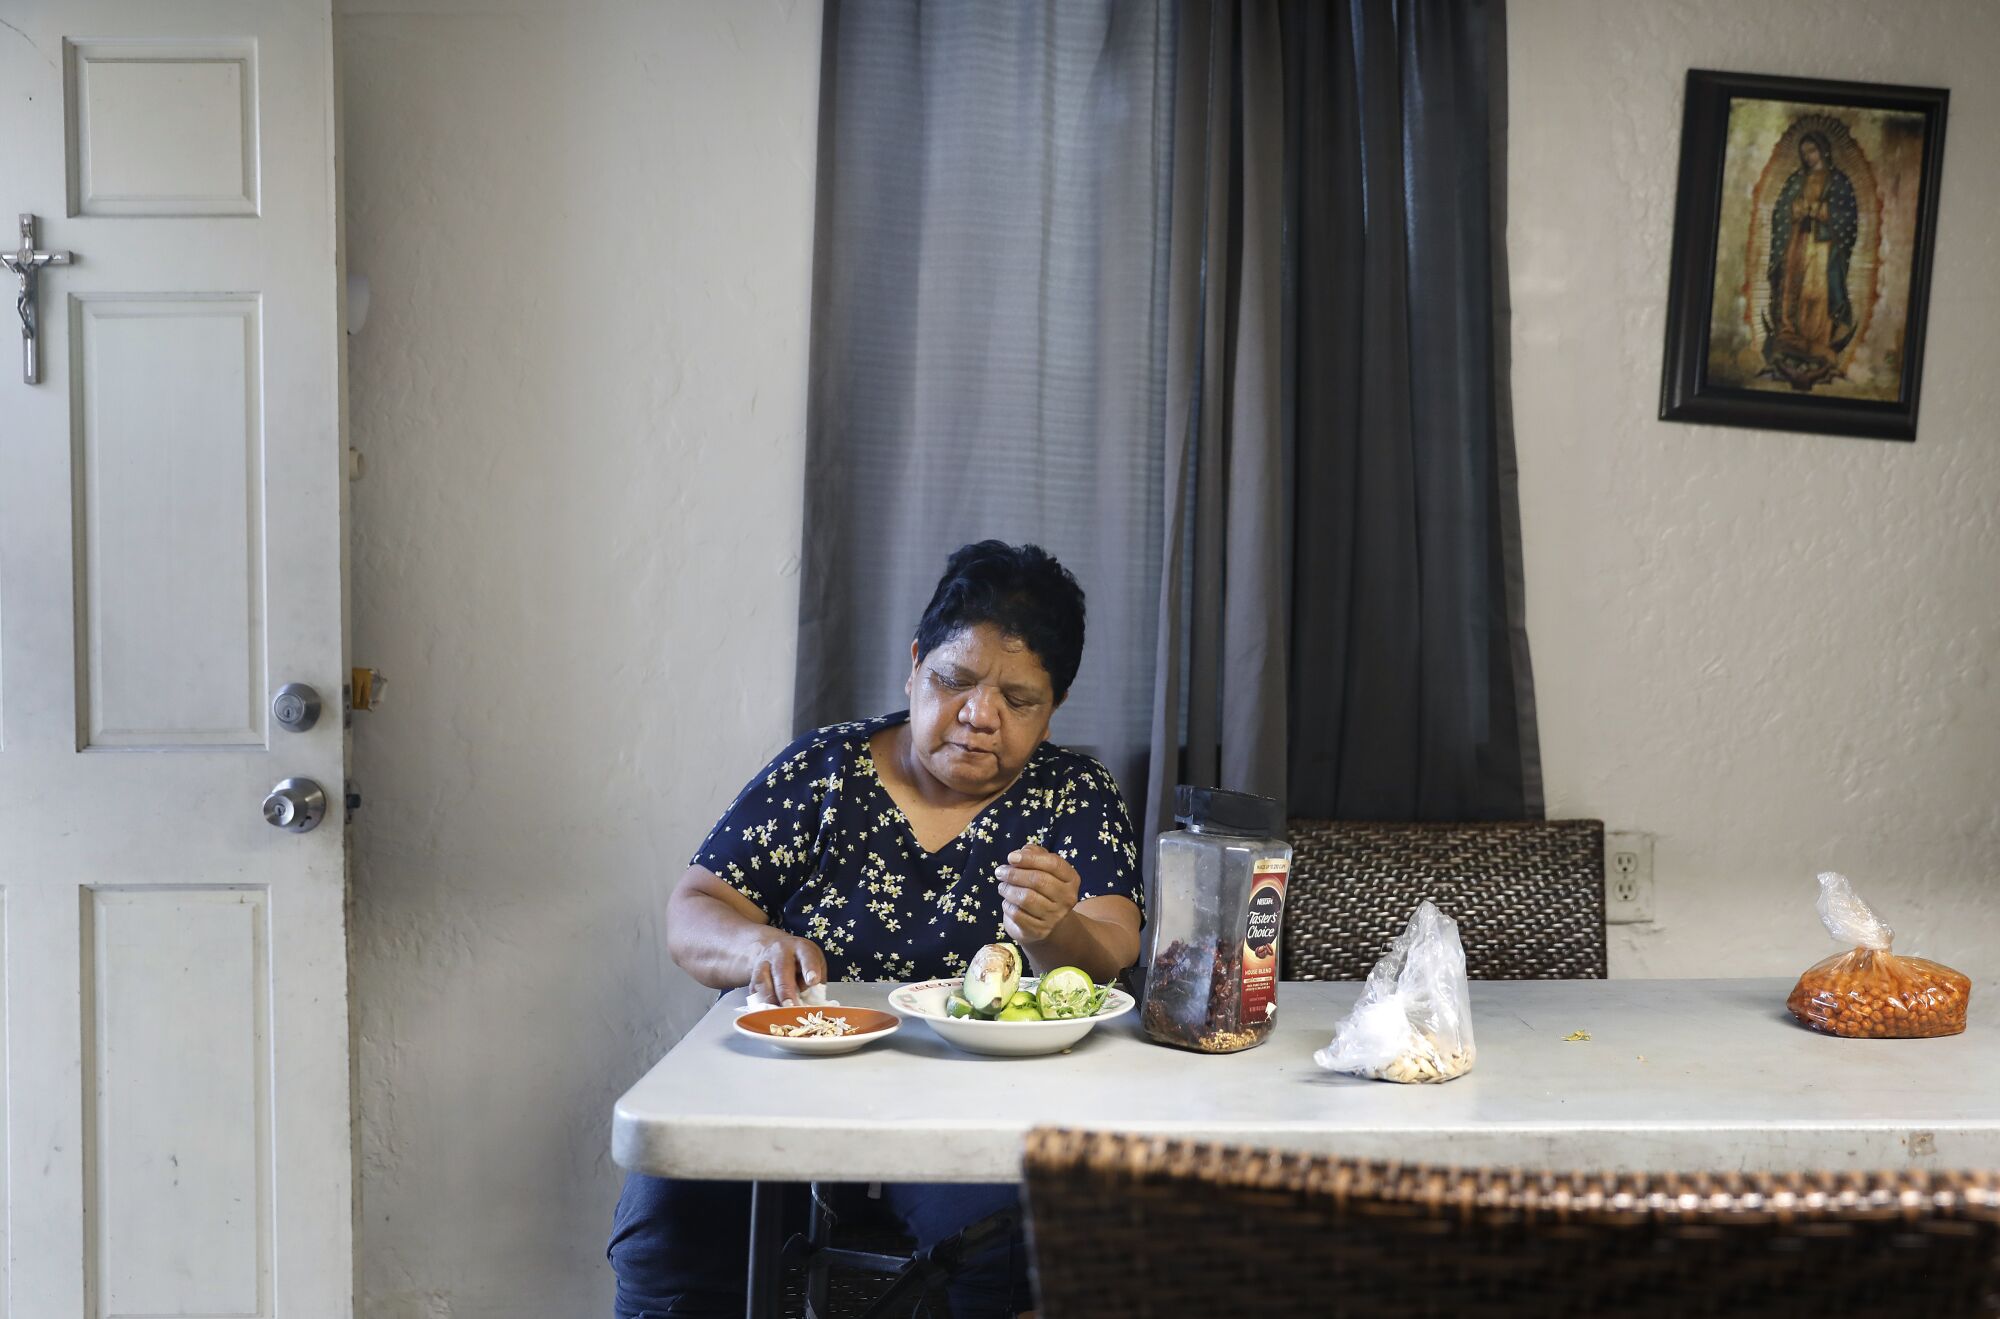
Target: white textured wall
x,y
1778,652
581,397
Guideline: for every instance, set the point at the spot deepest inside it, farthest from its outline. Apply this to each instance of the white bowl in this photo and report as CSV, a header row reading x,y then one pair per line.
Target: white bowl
x,y
925,1001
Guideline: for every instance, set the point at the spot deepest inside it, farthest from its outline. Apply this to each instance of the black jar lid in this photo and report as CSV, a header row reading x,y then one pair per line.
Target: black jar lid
x,y
1217,810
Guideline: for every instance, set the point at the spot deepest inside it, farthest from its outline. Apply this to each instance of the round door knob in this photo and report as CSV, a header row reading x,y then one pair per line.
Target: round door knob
x,y
295,804
295,707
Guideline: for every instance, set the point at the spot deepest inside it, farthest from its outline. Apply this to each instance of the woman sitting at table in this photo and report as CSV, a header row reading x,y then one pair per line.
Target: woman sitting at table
x,y
893,849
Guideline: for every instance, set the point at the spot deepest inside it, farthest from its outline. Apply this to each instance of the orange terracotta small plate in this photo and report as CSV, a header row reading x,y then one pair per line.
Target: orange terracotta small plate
x,y
868,1025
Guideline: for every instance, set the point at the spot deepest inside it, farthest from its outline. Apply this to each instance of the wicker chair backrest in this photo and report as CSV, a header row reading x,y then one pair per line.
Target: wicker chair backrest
x,y
1528,896
1142,1226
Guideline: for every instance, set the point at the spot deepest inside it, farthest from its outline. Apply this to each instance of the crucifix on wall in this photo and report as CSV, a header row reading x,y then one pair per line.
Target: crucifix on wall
x,y
26,266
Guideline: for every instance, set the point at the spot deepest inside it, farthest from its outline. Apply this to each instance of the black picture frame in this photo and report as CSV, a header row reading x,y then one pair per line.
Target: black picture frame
x,y
1687,391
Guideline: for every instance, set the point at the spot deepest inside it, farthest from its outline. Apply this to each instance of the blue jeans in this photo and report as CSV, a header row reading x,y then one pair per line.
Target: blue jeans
x,y
683,1248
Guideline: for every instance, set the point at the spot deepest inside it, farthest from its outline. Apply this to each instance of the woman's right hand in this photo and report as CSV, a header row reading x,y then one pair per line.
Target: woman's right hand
x,y
723,940
785,966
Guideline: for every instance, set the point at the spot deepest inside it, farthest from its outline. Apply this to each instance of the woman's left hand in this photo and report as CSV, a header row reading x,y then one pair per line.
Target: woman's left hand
x,y
1038,890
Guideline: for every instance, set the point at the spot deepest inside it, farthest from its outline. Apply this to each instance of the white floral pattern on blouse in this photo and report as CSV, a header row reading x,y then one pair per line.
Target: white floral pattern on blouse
x,y
818,844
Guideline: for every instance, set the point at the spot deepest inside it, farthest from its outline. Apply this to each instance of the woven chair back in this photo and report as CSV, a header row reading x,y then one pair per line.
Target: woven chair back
x,y
1127,1227
1528,896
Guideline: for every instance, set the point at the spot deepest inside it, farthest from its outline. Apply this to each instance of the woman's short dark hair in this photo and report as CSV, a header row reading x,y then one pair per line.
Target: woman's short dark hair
x,y
1021,590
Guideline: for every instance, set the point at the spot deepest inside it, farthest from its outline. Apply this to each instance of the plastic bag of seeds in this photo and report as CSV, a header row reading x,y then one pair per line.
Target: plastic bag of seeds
x,y
1870,993
1413,1022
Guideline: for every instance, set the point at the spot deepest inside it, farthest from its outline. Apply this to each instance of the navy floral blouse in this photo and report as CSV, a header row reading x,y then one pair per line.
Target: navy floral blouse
x,y
821,848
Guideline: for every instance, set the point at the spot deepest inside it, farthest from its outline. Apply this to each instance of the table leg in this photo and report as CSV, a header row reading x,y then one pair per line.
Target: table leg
x,y
819,1235
766,1244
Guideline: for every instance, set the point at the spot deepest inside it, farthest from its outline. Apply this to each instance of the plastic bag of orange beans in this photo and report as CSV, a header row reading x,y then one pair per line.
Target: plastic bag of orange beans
x,y
1870,993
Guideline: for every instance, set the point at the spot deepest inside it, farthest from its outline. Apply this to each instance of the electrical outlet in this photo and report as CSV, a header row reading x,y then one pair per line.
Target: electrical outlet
x,y
1628,879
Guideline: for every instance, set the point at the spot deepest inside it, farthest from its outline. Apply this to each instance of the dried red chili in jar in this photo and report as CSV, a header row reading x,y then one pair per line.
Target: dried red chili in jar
x,y
1213,916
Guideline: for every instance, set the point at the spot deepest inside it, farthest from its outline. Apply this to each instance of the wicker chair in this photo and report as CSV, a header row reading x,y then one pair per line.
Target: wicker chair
x,y
851,1295
865,1249
1127,1227
1528,896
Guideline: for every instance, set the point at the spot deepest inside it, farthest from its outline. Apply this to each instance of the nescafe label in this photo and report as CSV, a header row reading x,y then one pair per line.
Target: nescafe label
x,y
1260,940
1266,905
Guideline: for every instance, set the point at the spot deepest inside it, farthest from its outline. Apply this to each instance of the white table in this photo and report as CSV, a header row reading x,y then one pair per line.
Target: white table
x,y
1677,1075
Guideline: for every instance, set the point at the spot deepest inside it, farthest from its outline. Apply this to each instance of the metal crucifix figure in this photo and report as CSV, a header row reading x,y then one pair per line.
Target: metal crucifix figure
x,y
26,265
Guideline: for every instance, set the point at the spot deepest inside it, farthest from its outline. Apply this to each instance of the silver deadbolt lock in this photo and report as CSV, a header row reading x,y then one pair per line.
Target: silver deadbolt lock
x,y
295,707
295,804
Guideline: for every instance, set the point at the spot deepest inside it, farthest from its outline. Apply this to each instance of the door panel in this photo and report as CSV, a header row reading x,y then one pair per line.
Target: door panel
x,y
170,510
177,1166
162,128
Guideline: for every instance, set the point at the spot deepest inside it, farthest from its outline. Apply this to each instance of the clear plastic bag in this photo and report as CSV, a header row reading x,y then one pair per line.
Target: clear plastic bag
x,y
1413,1022
1869,992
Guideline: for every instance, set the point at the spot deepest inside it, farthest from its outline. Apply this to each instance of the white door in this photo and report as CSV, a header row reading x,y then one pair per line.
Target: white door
x,y
175,989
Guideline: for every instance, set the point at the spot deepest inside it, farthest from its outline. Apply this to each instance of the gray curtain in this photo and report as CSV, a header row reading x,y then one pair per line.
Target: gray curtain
x,y
1340,609
1220,702
1410,690
1207,297
989,313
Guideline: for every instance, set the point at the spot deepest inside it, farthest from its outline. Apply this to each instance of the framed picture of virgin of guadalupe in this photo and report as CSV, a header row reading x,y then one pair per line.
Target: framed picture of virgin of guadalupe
x,y
1802,254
